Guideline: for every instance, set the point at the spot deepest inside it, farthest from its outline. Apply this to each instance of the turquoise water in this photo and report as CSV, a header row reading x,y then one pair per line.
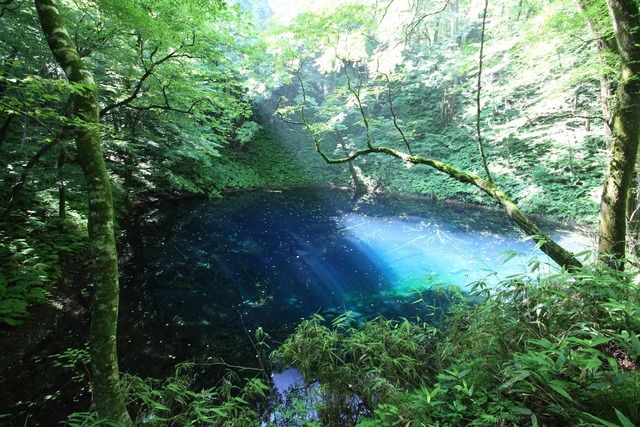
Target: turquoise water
x,y
419,252
201,276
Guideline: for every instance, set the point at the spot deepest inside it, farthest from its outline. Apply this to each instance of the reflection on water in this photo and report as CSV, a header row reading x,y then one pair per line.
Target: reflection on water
x,y
202,275
418,253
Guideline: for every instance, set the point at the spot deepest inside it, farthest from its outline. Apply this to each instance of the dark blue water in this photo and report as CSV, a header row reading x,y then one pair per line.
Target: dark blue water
x,y
201,275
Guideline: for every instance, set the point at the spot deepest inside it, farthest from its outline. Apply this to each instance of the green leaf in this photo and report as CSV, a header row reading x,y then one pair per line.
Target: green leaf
x,y
560,387
626,422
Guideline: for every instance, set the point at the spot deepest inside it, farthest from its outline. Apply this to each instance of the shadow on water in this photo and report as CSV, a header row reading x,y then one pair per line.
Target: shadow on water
x,y
197,271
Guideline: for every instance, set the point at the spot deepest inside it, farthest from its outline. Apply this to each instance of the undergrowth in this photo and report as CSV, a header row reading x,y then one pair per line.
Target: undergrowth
x,y
32,255
563,350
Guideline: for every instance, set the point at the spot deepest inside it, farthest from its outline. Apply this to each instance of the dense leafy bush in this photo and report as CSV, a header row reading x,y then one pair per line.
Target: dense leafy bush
x,y
561,351
233,402
31,260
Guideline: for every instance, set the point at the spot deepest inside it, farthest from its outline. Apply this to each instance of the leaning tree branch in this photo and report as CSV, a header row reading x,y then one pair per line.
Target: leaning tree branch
x,y
556,252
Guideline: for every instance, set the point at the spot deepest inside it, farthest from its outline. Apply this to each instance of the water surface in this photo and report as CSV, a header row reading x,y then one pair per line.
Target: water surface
x,y
203,275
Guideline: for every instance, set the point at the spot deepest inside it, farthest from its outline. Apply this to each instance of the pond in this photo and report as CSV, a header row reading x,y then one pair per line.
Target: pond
x,y
201,276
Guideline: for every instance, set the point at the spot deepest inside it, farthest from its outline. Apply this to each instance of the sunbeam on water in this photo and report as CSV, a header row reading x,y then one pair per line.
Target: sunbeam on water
x,y
418,253
201,276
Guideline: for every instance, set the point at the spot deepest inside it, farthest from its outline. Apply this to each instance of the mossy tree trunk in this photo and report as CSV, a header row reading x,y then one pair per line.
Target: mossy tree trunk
x,y
626,135
107,393
556,252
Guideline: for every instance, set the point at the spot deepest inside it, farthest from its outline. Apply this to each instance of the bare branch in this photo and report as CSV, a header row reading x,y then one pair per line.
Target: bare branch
x,y
478,91
15,190
394,115
409,29
356,95
386,10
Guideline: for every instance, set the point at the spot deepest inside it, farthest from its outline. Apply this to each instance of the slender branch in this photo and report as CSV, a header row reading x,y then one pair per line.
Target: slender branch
x,y
14,110
632,217
15,190
4,129
149,70
257,350
167,106
416,22
356,95
386,10
395,117
282,116
478,92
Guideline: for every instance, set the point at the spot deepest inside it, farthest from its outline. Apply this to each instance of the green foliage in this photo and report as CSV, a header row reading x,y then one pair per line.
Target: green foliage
x,y
30,264
540,82
172,93
171,84
370,362
174,402
75,360
273,161
561,350
247,132
88,419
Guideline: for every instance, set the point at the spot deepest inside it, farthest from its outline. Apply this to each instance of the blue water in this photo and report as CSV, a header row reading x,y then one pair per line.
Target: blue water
x,y
202,275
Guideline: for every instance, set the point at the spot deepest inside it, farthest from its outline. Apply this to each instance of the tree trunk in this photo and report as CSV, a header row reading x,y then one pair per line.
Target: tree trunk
x,y
4,129
626,135
107,393
358,185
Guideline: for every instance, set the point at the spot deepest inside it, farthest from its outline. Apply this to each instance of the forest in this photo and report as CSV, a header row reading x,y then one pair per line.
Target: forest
x,y
319,213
